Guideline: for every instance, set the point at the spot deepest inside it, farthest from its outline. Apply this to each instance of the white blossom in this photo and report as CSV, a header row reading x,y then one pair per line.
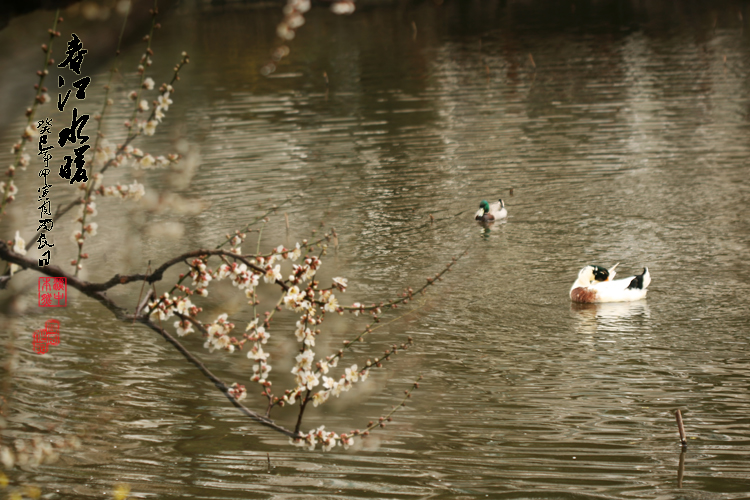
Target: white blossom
x,y
257,353
342,7
351,373
165,101
183,327
332,304
150,127
340,283
273,274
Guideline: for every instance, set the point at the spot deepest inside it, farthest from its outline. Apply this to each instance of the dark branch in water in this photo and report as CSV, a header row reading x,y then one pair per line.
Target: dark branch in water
x,y
216,380
97,292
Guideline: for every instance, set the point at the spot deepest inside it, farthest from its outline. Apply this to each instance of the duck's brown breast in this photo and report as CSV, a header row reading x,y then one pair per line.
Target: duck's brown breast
x,y
583,295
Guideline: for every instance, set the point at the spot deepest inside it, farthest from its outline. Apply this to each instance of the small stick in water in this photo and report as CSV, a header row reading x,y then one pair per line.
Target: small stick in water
x,y
681,429
286,217
268,455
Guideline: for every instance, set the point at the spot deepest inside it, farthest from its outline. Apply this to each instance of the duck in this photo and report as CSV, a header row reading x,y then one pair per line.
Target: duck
x,y
597,284
488,213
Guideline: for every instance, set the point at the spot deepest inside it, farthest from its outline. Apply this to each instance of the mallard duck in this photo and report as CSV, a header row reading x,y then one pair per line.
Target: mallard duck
x,y
597,284
487,212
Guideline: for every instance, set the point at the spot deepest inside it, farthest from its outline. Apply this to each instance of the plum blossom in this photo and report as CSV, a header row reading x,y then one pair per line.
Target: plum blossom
x,y
291,397
29,132
327,440
147,161
351,373
296,253
218,334
332,304
346,441
304,360
263,368
161,308
159,114
23,161
150,127
329,382
257,353
320,397
237,391
200,273
164,101
259,333
133,191
19,246
222,272
183,305
311,379
340,283
273,274
304,375
105,152
12,189
6,457
342,7
293,297
183,327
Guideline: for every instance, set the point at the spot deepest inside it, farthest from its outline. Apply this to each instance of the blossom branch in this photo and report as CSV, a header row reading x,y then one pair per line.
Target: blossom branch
x,y
84,287
21,159
408,295
89,186
388,417
226,390
91,290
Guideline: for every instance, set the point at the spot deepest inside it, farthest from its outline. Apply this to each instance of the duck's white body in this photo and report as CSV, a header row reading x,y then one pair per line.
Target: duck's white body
x,y
496,211
596,285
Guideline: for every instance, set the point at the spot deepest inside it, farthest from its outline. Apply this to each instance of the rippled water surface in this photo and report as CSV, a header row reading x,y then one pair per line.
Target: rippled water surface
x,y
612,135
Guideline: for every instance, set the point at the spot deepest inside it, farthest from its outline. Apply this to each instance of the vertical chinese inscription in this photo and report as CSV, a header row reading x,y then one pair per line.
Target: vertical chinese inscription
x,y
45,204
74,133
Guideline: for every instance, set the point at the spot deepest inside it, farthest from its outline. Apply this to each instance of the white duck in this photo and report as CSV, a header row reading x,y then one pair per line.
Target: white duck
x,y
597,284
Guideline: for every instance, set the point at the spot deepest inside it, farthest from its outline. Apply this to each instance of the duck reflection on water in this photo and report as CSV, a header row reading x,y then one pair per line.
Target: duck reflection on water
x,y
611,317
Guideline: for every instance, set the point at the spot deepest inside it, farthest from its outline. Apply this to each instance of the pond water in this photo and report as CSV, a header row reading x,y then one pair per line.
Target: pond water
x,y
612,134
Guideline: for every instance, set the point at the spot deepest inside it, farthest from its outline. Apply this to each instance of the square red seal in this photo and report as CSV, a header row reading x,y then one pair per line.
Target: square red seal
x,y
53,292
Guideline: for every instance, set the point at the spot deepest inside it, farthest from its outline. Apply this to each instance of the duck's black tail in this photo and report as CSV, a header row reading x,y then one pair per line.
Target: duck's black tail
x,y
637,281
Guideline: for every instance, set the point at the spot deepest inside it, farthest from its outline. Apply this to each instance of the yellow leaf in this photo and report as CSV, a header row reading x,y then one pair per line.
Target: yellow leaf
x,y
121,491
32,492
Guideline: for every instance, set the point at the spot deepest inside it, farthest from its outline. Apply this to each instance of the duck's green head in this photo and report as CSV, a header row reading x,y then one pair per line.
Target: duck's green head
x,y
485,206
